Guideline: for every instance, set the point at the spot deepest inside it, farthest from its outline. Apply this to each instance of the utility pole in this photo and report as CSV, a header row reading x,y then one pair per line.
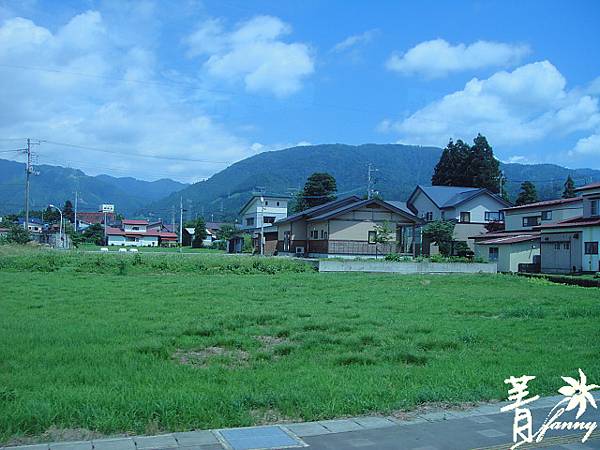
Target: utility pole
x,y
75,214
262,226
173,218
370,182
180,223
28,172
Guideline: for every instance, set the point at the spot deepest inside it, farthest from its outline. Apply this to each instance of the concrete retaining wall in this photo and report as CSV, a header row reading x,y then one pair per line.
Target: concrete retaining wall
x,y
405,267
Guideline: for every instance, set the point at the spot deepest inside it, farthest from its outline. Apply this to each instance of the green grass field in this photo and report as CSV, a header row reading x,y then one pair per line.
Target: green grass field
x,y
113,248
170,349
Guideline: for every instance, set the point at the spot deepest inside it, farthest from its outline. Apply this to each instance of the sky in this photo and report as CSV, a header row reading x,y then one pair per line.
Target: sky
x,y
184,88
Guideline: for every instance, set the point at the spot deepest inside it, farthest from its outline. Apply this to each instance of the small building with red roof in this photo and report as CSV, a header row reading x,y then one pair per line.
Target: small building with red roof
x,y
139,233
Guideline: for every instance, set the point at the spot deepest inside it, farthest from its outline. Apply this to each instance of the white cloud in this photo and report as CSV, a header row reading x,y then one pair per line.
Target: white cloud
x,y
519,159
437,58
525,105
587,146
355,40
253,53
94,89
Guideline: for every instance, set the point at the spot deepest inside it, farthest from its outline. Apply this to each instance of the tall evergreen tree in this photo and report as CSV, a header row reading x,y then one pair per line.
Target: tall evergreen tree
x,y
527,195
483,167
470,166
569,191
68,212
319,188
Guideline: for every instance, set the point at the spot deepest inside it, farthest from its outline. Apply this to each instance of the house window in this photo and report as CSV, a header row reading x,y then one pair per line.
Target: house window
x,y
322,234
493,254
429,216
372,237
557,246
531,221
266,202
250,221
591,248
546,215
269,219
594,207
493,216
567,246
465,217
277,203
135,228
325,234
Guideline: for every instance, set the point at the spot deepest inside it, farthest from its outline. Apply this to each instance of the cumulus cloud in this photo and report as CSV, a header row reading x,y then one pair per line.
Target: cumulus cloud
x,y
88,87
587,146
437,58
355,41
253,53
525,105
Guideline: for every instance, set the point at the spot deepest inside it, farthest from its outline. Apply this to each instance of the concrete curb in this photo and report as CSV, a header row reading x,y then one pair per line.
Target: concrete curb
x,y
194,439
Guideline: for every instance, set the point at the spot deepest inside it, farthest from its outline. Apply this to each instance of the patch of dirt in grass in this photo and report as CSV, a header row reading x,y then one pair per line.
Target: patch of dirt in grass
x,y
269,342
54,434
203,357
432,407
270,416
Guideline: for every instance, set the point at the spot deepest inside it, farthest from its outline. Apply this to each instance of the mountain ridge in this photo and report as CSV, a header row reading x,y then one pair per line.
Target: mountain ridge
x,y
56,184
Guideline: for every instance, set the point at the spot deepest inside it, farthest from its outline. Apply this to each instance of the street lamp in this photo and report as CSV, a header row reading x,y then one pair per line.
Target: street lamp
x,y
62,244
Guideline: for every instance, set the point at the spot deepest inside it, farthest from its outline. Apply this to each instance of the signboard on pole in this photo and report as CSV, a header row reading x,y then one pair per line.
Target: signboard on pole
x,y
105,208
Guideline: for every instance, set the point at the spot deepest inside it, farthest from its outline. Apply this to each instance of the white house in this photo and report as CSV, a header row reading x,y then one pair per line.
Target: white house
x,y
572,245
263,209
138,233
471,209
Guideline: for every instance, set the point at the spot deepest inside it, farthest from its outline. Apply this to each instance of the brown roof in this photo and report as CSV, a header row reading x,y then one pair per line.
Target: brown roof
x,y
576,222
559,201
94,217
512,239
588,186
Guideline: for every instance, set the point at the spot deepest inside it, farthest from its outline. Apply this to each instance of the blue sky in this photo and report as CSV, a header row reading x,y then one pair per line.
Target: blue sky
x,y
197,85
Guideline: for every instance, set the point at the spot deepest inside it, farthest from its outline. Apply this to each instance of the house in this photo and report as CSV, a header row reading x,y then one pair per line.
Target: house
x,y
347,227
527,217
513,251
34,225
190,232
263,209
139,233
571,245
470,208
258,217
85,219
520,247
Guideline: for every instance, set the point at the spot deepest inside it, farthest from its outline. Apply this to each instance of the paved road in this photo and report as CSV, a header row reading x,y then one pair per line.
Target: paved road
x,y
480,428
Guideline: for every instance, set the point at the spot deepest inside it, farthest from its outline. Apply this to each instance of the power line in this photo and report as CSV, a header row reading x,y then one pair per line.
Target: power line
x,y
136,155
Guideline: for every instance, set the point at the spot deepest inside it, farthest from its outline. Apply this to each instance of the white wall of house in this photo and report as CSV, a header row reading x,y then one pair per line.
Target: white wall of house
x,y
590,263
477,207
510,255
254,214
424,205
514,219
141,241
129,228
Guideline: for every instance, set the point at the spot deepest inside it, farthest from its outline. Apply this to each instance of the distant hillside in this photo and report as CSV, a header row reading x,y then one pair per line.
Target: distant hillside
x,y
56,184
399,169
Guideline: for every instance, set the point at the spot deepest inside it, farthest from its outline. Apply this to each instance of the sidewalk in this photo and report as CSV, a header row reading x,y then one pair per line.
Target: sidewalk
x,y
484,427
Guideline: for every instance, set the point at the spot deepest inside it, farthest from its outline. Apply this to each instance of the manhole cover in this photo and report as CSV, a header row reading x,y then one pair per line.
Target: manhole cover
x,y
259,438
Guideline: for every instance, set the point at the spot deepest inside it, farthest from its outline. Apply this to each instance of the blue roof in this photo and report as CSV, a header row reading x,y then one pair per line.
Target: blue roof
x,y
448,196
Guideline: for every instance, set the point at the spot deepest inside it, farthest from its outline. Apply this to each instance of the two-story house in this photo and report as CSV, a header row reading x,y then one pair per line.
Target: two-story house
x,y
471,209
263,209
571,245
139,233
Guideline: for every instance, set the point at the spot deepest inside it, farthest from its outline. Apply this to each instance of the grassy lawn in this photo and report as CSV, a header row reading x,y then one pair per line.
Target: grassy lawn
x,y
149,352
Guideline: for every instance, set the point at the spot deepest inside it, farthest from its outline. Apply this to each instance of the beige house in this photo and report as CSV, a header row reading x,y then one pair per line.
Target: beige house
x,y
347,227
